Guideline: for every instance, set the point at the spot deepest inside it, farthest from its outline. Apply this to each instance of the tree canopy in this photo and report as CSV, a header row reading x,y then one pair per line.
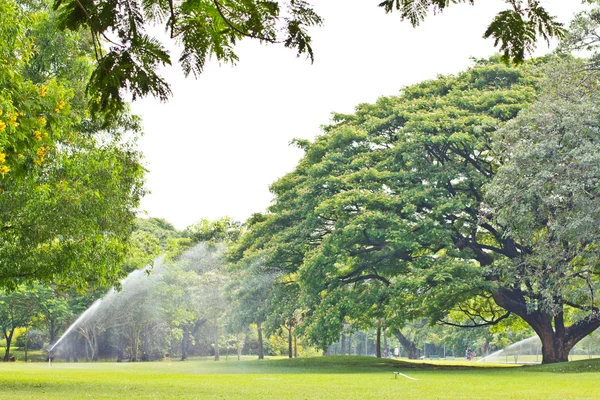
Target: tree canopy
x,y
386,215
71,184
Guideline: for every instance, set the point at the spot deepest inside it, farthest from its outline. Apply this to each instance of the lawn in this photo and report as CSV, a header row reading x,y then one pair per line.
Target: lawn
x,y
303,378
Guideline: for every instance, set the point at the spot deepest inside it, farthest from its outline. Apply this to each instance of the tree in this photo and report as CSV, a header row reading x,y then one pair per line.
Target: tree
x,y
16,310
211,28
68,205
54,310
547,194
390,202
249,292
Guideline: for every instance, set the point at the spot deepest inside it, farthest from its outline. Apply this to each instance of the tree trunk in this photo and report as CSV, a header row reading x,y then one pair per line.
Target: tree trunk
x,y
146,344
290,354
343,346
295,346
557,340
133,343
239,348
378,342
8,342
410,347
261,350
26,344
350,345
217,339
184,341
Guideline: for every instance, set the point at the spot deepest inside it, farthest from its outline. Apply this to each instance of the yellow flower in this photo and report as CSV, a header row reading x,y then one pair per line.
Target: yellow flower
x,y
37,135
2,157
4,169
2,125
12,120
42,121
43,91
20,155
61,105
41,151
0,111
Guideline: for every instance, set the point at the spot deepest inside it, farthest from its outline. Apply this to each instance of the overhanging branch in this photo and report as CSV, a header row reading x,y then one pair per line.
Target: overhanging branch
x,y
486,323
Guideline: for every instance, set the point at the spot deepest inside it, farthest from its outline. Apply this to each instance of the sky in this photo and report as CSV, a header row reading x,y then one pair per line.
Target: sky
x,y
215,147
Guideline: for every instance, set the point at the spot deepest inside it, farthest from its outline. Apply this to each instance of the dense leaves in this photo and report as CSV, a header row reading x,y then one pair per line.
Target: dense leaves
x,y
67,206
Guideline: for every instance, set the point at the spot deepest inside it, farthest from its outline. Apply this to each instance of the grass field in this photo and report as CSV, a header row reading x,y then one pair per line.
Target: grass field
x,y
303,378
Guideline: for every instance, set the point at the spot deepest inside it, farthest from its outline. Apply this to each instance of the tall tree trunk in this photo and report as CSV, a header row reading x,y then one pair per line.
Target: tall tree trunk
x,y
378,342
26,343
95,346
8,338
410,347
350,345
261,350
184,341
133,342
239,347
295,346
343,351
290,354
217,339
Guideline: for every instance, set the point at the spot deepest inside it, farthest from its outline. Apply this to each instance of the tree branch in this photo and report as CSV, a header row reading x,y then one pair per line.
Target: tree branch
x,y
487,323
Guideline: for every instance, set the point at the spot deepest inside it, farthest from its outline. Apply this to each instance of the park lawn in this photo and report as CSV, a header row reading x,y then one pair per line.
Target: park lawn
x,y
303,378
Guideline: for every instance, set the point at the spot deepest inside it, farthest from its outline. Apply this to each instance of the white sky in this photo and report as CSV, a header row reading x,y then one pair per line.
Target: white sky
x,y
221,140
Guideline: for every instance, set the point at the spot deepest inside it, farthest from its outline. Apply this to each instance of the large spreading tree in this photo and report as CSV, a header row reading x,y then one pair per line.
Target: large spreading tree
x,y
386,215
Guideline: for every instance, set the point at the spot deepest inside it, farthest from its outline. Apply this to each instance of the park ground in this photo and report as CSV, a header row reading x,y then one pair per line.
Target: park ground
x,y
303,378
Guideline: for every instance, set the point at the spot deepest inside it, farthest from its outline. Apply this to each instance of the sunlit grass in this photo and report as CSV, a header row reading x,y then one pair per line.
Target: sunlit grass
x,y
303,378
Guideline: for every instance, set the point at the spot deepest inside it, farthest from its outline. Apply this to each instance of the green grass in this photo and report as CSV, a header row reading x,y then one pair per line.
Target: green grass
x,y
303,378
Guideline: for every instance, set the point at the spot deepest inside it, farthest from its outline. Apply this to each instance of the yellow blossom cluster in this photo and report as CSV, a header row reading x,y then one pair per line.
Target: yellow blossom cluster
x,y
4,168
60,106
43,91
42,121
12,119
41,153
2,125
37,135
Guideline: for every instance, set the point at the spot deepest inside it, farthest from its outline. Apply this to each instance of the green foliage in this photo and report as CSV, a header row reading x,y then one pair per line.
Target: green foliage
x,y
547,192
33,115
516,30
223,230
381,216
68,205
204,28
